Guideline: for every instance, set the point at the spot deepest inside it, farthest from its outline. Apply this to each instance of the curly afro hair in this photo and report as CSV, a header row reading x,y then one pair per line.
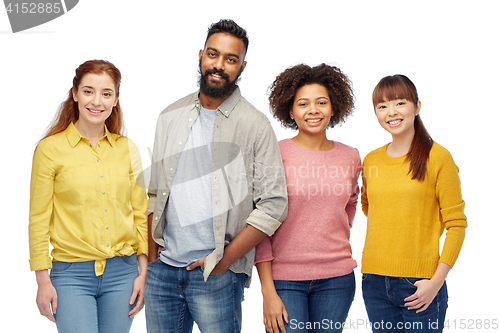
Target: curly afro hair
x,y
284,88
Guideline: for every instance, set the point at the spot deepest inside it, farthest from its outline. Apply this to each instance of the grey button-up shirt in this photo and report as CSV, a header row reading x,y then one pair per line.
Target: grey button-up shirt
x,y
248,182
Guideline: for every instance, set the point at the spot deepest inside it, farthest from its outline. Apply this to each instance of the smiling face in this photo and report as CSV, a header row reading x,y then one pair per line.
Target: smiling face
x,y
312,109
96,97
398,116
221,63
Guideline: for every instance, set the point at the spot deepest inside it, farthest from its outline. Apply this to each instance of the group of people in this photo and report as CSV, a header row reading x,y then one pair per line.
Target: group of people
x,y
224,196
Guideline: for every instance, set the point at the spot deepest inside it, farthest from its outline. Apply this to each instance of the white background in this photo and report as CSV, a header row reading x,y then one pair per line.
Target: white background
x,y
448,48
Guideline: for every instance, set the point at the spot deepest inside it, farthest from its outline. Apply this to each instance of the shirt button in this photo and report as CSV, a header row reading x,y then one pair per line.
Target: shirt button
x,y
107,245
103,192
190,119
98,160
99,146
105,209
197,105
156,218
90,145
226,112
107,228
164,193
102,176
180,143
171,169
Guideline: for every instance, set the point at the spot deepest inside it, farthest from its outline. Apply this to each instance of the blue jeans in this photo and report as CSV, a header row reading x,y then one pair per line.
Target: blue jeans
x,y
317,305
176,297
384,301
87,303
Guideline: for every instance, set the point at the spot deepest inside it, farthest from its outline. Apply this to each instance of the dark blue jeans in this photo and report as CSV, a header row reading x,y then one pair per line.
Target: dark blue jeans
x,y
384,301
317,305
176,297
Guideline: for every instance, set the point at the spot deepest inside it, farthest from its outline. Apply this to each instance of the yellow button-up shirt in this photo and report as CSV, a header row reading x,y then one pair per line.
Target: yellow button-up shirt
x,y
90,201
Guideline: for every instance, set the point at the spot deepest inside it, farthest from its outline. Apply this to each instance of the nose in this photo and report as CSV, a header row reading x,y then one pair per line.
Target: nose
x,y
96,99
392,111
219,64
313,109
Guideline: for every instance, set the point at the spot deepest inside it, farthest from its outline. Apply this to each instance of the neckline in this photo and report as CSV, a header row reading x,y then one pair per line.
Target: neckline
x,y
315,151
388,159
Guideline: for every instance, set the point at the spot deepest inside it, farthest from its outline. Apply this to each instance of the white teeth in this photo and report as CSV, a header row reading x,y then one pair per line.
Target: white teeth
x,y
94,111
394,122
313,120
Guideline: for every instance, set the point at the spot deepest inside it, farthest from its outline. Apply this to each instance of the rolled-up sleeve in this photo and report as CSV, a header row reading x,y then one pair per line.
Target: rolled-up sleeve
x,y
269,186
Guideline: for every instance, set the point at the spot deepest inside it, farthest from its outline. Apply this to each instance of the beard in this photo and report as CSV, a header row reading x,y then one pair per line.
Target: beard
x,y
217,91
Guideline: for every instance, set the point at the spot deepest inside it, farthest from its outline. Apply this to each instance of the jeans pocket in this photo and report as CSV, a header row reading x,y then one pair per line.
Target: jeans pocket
x,y
60,267
364,276
214,274
412,281
130,260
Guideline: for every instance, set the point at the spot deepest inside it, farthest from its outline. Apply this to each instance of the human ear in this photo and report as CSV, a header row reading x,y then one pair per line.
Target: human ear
x,y
417,110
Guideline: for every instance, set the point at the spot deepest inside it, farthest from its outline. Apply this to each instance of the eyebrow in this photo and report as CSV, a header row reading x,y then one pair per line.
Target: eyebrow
x,y
229,54
90,87
321,97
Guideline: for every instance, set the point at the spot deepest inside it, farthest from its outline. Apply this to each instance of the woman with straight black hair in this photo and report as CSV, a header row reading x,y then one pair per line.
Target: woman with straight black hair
x,y
411,193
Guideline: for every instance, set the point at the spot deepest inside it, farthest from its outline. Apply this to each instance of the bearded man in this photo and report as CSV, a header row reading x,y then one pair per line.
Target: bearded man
x,y
217,189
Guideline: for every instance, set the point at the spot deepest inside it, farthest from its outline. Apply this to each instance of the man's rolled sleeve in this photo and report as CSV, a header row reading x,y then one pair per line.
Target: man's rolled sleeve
x,y
269,190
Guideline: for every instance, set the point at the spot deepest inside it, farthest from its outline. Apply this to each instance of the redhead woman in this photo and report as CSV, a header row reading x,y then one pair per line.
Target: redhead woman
x,y
88,199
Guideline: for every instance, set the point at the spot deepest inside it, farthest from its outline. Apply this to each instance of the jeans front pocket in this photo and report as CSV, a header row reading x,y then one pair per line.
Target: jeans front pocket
x,y
60,267
130,260
412,281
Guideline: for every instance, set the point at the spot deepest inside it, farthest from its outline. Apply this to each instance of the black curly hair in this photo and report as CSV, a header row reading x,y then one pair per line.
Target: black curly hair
x,y
284,88
229,27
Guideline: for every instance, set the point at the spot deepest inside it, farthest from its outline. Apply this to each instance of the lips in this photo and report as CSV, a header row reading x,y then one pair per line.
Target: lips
x,y
95,111
217,75
395,122
315,120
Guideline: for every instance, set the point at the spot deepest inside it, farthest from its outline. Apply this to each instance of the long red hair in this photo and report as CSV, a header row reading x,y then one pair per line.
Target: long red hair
x,y
68,111
400,87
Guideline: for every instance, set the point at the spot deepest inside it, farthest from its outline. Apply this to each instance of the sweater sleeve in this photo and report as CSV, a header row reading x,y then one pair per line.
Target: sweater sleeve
x,y
364,197
451,206
353,199
264,251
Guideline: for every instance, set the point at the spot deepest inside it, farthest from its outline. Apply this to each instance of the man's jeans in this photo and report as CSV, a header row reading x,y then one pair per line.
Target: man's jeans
x,y
384,301
317,305
176,297
87,303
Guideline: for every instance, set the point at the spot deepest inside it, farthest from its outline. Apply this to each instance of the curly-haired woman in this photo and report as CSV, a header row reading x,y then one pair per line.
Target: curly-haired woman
x,y
306,267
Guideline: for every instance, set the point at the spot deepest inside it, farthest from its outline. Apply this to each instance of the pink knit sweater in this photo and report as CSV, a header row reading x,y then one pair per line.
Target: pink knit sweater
x,y
313,241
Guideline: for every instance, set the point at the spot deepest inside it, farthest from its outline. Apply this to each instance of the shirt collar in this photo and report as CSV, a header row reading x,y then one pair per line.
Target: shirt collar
x,y
229,103
74,135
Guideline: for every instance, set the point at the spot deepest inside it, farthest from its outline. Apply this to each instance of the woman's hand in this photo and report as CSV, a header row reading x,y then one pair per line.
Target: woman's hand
x,y
46,297
423,297
274,313
427,289
139,286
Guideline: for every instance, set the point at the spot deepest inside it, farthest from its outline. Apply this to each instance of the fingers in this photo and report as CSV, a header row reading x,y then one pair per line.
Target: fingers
x,y
195,264
46,311
275,325
285,314
138,307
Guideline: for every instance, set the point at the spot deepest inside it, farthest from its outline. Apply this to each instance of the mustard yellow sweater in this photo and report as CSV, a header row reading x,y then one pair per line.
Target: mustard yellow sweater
x,y
406,217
